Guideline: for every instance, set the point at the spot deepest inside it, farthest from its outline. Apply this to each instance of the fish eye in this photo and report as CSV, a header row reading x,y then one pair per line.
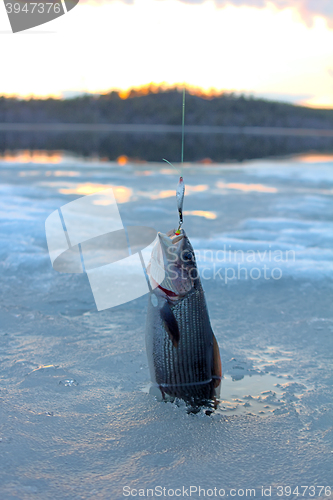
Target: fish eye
x,y
187,256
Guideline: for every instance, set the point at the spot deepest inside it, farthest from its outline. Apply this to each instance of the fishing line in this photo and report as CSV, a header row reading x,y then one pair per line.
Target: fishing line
x,y
183,139
181,187
183,131
178,171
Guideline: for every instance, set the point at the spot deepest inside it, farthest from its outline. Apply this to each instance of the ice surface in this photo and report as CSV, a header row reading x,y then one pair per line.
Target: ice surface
x,y
77,421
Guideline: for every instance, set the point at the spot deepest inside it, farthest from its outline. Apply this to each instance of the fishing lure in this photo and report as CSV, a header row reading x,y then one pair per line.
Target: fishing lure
x,y
180,192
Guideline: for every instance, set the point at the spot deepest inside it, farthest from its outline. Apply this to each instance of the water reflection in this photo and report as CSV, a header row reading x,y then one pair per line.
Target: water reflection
x,y
143,172
62,173
122,194
123,147
29,173
32,156
201,213
168,193
195,189
247,187
122,160
315,158
162,194
49,173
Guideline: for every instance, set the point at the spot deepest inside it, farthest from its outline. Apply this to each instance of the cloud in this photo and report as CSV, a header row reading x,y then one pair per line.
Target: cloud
x,y
307,9
96,3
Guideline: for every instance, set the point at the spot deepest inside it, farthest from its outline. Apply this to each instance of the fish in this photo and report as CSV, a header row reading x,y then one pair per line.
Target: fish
x,y
182,351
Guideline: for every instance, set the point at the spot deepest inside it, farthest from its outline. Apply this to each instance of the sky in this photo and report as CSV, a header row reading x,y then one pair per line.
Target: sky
x,y
279,49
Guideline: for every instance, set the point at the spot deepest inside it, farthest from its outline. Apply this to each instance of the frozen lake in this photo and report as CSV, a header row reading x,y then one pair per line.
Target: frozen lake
x,y
77,420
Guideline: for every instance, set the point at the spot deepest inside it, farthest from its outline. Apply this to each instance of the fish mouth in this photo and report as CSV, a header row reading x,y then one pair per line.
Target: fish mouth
x,y
172,237
168,275
176,236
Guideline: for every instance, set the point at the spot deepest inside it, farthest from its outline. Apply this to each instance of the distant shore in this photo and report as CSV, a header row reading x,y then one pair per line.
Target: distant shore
x,y
223,128
163,129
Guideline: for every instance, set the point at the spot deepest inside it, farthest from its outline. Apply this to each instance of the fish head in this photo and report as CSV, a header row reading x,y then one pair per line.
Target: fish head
x,y
172,269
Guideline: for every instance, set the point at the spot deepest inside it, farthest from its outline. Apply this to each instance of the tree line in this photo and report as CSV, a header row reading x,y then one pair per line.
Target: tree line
x,y
164,107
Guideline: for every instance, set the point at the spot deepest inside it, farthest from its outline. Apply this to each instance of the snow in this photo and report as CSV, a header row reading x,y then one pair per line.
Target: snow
x,y
77,419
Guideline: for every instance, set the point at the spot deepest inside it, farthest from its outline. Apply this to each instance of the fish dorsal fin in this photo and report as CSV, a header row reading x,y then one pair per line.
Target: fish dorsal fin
x,y
217,365
170,323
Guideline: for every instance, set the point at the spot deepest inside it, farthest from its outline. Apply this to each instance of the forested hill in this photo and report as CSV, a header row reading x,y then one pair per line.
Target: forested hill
x,y
164,107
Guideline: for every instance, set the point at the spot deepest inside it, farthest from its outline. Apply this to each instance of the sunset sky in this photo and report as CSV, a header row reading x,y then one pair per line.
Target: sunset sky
x,y
281,49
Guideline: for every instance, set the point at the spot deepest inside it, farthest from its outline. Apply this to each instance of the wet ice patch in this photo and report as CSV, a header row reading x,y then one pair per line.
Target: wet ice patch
x,y
260,395
69,382
49,377
268,249
308,206
249,395
257,386
293,171
260,384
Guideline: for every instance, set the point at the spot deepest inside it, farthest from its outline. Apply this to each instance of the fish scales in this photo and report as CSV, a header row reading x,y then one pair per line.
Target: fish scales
x,y
188,364
183,354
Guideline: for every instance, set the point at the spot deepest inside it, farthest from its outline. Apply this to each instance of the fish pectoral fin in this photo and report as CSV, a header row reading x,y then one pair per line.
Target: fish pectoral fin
x,y
217,364
170,323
